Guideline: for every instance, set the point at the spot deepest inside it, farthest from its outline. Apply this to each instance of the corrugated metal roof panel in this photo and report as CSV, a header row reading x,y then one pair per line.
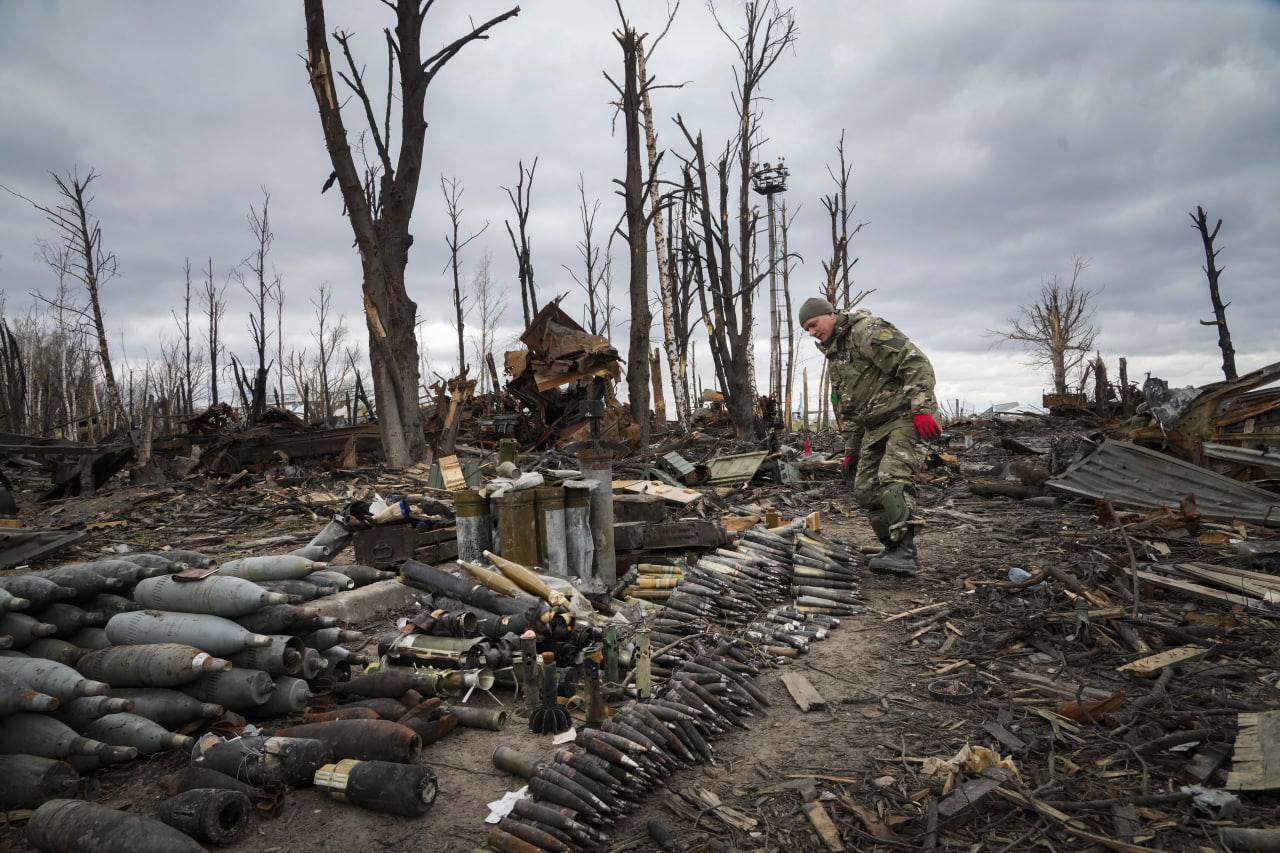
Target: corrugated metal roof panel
x,y
1136,476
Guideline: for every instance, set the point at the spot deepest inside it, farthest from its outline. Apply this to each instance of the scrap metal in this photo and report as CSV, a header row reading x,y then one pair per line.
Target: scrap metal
x,y
1132,475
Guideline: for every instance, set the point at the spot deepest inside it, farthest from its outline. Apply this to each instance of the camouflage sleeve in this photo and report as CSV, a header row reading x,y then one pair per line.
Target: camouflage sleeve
x,y
895,355
852,434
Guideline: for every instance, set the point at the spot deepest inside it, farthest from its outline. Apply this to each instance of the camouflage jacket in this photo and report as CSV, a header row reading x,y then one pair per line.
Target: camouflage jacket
x,y
882,378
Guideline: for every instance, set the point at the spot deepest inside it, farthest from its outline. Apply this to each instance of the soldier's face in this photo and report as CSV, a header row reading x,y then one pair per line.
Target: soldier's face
x,y
821,326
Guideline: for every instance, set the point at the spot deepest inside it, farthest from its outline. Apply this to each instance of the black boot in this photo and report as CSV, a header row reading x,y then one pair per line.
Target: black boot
x,y
900,559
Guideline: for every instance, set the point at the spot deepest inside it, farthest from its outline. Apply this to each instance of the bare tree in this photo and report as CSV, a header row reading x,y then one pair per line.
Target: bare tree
x,y
520,200
666,288
1057,330
490,304
789,371
728,299
80,233
1200,222
278,298
330,370
838,283
252,275
13,373
215,307
184,340
682,268
298,367
589,251
637,227
379,203
452,190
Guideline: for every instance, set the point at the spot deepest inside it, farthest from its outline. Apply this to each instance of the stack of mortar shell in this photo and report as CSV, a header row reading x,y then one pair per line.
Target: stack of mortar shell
x,y
58,721
583,788
306,655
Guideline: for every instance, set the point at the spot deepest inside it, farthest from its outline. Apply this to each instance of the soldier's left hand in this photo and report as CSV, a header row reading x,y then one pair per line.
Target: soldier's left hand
x,y
926,426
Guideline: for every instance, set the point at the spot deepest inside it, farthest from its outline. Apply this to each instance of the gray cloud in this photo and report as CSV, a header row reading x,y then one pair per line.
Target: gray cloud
x,y
991,142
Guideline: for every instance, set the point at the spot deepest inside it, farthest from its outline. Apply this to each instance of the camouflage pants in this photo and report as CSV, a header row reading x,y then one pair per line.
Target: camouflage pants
x,y
888,459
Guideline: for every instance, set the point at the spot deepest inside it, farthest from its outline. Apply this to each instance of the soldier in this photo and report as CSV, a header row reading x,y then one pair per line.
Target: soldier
x,y
882,385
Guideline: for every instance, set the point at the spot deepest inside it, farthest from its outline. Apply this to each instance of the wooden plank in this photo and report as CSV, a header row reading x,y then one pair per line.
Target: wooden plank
x,y
1255,764
1258,577
1195,590
1233,581
451,472
804,693
1152,664
739,523
926,609
673,494
825,828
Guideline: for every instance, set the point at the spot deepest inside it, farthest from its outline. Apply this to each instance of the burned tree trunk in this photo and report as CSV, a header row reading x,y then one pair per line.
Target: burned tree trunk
x,y
14,374
636,234
790,369
1101,389
667,294
260,292
1200,222
214,307
659,401
520,200
379,204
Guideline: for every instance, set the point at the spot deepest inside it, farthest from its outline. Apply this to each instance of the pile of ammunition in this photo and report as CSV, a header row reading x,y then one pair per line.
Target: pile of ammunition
x,y
734,587
463,638
584,788
715,623
106,659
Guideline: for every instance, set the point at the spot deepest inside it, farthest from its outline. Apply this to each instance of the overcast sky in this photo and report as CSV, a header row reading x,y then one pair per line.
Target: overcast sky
x,y
991,142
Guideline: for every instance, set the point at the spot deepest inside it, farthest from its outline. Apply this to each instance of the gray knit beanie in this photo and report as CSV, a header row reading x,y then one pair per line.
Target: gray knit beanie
x,y
814,306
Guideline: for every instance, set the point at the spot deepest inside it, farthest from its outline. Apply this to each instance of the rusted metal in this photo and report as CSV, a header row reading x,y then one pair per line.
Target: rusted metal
x,y
367,740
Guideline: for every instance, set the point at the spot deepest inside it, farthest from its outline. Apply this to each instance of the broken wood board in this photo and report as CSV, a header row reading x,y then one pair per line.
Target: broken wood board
x,y
1255,763
806,697
822,824
451,473
1195,590
1073,825
739,523
673,494
1152,664
1255,584
926,609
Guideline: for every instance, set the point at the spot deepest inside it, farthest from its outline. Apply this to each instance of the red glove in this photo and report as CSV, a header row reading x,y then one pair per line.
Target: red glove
x,y
926,426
